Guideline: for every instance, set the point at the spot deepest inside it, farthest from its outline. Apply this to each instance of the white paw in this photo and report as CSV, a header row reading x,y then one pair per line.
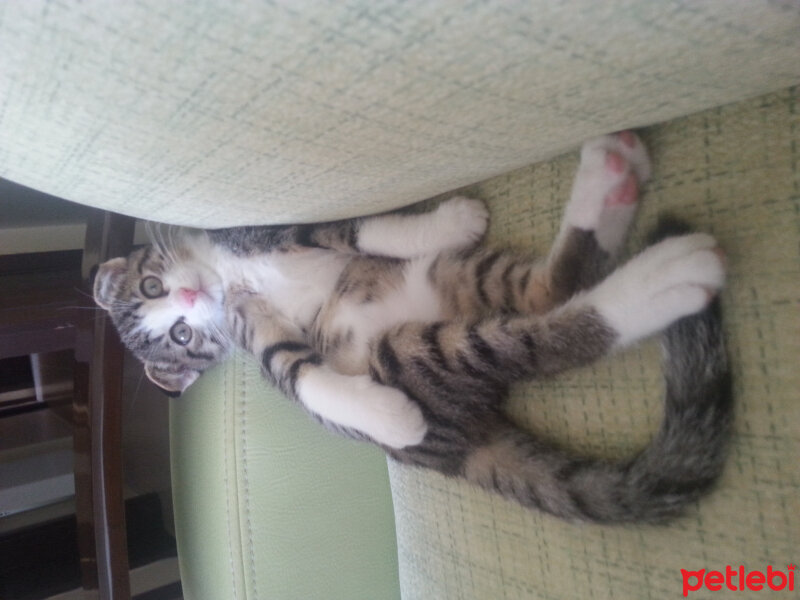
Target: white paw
x,y
461,222
670,280
604,195
625,143
383,413
398,422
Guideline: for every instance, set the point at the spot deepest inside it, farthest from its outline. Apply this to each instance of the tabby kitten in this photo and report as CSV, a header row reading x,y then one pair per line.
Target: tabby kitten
x,y
401,330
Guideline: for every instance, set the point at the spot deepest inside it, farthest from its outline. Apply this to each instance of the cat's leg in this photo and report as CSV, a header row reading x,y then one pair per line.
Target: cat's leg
x,y
457,359
354,405
456,224
595,223
596,220
672,279
602,205
458,373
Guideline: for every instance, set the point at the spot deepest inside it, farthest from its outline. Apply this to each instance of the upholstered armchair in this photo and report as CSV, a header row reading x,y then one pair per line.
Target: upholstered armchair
x,y
216,114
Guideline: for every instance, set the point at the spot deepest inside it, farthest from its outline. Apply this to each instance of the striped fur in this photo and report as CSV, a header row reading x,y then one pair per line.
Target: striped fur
x,y
471,367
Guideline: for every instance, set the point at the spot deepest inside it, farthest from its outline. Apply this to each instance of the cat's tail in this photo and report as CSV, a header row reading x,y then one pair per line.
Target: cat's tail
x,y
681,463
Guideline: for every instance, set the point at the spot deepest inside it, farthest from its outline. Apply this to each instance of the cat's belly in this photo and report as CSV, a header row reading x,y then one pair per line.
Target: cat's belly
x,y
351,325
295,284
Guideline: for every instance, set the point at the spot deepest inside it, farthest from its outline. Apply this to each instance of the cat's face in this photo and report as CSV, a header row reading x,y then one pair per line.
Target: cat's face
x,y
168,311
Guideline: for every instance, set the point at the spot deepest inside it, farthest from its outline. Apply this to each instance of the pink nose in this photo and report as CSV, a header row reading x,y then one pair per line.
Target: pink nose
x,y
187,296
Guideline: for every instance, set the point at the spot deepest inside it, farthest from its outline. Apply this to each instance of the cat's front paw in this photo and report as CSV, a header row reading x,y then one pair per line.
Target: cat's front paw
x,y
670,280
399,421
461,222
605,192
357,402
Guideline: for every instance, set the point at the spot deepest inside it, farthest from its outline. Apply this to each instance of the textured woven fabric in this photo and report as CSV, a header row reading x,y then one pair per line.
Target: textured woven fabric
x,y
219,113
732,171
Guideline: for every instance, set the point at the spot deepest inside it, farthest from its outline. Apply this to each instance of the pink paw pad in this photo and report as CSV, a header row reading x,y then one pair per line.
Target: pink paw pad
x,y
624,194
615,163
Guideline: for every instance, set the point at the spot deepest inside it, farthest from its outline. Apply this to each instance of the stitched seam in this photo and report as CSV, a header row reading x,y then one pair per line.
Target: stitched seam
x,y
245,474
225,407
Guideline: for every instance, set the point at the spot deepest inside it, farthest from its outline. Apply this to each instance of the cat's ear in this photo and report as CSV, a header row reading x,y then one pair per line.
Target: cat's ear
x,y
171,382
107,280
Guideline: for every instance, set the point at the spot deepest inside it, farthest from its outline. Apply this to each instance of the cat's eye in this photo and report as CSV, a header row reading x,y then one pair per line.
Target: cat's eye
x,y
151,287
180,333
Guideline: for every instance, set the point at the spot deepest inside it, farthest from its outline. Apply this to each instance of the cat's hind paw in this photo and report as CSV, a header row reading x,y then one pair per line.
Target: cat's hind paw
x,y
624,144
605,193
670,280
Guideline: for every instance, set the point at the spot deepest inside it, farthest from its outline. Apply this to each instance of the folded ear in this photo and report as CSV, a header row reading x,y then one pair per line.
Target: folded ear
x,y
107,280
171,381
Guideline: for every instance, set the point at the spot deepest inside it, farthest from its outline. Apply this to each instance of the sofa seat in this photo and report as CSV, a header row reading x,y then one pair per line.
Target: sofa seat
x,y
733,171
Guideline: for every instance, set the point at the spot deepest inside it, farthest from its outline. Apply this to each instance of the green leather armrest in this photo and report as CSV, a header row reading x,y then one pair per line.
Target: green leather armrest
x,y
270,505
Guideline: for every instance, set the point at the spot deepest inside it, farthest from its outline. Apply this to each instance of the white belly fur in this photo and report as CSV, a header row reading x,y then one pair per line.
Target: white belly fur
x,y
414,300
297,285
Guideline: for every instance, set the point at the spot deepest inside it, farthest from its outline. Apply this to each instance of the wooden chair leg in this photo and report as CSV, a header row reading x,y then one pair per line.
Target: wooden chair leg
x,y
99,412
105,401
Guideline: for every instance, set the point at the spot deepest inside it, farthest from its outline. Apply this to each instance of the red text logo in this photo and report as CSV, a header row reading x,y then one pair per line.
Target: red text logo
x,y
738,580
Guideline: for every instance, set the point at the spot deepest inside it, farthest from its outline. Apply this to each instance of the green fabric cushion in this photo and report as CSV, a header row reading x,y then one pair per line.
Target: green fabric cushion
x,y
734,172
220,113
269,505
